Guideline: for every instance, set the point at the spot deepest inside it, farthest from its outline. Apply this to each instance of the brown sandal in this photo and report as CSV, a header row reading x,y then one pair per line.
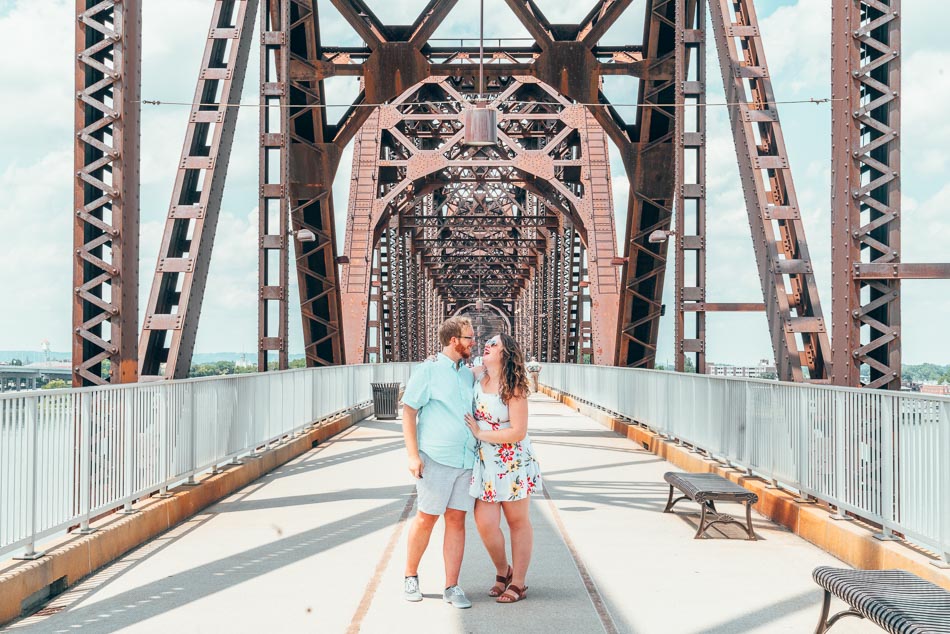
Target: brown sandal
x,y
512,594
504,581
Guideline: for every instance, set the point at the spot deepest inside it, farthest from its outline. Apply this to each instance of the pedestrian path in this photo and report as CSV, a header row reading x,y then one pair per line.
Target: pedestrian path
x,y
319,544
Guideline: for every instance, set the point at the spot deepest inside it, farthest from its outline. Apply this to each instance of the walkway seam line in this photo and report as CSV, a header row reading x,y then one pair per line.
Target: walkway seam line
x,y
373,584
600,606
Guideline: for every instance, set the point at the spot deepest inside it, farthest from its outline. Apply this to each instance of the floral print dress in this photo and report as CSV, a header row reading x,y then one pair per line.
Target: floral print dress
x,y
504,472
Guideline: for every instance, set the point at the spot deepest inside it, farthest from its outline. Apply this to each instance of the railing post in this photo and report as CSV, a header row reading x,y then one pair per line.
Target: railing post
x,y
85,461
840,452
31,411
888,430
215,417
804,447
772,413
164,422
260,385
943,509
128,451
192,424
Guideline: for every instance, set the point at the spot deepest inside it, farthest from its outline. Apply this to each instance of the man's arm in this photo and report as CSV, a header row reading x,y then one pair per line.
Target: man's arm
x,y
412,442
517,417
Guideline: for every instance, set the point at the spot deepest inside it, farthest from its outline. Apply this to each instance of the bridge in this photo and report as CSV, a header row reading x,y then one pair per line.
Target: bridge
x,y
32,375
480,186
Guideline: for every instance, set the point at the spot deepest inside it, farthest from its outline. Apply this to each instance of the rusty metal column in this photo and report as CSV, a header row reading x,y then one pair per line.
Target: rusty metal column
x,y
650,204
386,266
106,191
273,206
174,304
690,236
865,82
799,337
372,347
362,216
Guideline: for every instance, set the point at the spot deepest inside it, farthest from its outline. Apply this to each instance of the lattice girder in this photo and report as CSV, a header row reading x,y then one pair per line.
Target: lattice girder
x,y
106,191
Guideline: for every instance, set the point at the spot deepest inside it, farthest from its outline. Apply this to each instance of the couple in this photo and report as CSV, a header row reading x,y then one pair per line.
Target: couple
x,y
466,457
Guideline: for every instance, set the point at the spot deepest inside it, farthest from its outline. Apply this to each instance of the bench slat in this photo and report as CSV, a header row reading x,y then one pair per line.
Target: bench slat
x,y
896,600
702,487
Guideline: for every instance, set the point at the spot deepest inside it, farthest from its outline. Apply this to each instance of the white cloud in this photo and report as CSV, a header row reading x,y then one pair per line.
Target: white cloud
x,y
36,253
41,75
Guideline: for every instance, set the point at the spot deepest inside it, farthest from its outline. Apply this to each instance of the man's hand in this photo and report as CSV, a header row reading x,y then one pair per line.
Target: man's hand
x,y
415,467
473,426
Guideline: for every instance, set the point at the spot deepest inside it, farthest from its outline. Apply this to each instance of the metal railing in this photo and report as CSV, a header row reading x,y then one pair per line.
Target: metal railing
x,y
882,456
67,456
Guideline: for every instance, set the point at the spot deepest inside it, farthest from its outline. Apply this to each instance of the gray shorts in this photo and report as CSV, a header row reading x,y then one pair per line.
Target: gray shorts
x,y
443,487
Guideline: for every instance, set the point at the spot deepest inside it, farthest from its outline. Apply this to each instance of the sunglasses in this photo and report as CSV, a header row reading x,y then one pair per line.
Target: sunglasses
x,y
492,343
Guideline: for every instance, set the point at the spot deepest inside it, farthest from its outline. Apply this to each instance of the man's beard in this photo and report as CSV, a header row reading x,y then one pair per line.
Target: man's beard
x,y
463,350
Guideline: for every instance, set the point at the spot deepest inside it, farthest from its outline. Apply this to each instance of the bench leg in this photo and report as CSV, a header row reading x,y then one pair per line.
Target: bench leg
x,y
825,623
670,503
825,608
748,521
702,523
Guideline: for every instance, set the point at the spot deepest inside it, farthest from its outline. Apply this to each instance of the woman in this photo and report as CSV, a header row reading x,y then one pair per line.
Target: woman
x,y
506,471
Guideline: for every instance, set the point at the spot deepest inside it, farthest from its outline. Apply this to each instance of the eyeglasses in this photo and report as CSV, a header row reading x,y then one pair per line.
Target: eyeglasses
x,y
464,337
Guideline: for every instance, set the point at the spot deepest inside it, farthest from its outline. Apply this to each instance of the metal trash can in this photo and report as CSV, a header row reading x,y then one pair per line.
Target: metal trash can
x,y
386,400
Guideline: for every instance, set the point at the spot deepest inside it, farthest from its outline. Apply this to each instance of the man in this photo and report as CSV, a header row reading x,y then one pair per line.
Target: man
x,y
534,369
441,455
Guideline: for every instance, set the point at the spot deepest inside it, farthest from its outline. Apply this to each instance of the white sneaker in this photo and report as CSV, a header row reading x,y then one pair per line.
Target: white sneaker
x,y
410,589
455,596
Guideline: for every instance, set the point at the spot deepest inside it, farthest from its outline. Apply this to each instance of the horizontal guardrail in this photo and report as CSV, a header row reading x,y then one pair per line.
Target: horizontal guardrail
x,y
67,456
881,456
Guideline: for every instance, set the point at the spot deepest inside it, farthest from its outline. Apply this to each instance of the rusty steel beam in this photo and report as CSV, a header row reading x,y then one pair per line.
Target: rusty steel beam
x,y
690,141
866,192
313,155
273,201
902,271
799,336
361,219
726,307
106,192
174,304
600,18
649,208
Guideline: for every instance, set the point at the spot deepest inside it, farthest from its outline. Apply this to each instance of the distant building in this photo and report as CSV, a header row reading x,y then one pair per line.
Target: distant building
x,y
764,370
940,390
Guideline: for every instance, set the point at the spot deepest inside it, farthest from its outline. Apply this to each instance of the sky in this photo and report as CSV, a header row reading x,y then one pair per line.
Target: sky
x,y
36,169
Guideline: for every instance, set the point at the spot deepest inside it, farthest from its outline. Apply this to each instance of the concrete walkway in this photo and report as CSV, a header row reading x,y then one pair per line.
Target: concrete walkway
x,y
319,546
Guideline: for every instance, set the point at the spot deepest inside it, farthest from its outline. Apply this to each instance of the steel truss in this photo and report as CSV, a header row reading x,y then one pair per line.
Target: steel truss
x,y
866,194
690,140
413,175
106,191
424,236
171,316
799,337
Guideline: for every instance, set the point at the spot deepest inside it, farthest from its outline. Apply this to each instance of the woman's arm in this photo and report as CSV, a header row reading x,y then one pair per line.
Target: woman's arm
x,y
517,416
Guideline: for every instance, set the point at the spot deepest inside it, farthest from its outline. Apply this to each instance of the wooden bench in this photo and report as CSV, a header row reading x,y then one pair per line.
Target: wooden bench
x,y
898,601
706,489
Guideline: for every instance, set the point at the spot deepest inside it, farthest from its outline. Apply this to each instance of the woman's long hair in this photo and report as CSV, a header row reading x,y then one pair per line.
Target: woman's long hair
x,y
514,377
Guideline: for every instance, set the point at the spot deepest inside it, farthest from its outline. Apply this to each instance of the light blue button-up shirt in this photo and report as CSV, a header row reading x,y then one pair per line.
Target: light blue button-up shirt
x,y
442,391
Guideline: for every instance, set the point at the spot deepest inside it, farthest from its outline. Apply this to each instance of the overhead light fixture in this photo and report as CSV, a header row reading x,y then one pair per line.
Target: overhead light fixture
x,y
481,120
304,235
660,235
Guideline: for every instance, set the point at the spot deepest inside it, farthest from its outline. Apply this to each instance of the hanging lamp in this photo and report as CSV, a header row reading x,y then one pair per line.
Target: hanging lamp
x,y
481,120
